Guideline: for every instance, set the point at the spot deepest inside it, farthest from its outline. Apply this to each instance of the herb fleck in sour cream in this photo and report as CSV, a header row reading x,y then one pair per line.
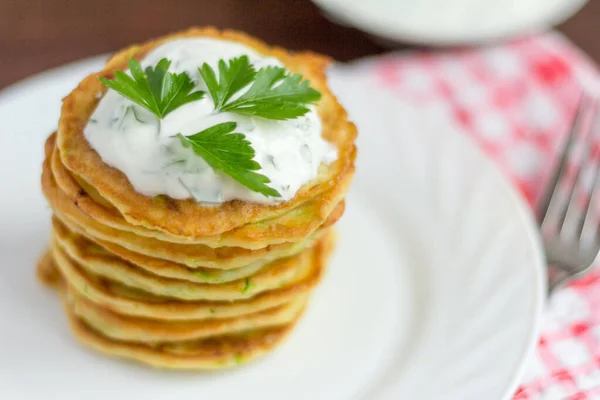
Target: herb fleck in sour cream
x,y
133,140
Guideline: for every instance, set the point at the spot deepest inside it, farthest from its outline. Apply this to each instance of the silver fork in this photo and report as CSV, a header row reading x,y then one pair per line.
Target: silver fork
x,y
569,229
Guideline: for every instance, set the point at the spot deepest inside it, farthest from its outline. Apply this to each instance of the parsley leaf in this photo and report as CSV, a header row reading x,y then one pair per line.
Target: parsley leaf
x,y
156,89
233,76
274,93
231,154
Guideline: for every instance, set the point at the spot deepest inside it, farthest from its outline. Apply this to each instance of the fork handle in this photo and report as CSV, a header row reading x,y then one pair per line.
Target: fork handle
x,y
557,277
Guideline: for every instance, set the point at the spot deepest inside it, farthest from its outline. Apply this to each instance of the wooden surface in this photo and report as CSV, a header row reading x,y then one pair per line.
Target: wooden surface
x,y
39,34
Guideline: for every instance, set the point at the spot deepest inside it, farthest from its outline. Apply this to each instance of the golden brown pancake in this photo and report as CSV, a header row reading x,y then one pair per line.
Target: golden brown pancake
x,y
119,327
188,218
191,255
206,354
222,351
46,270
170,269
94,260
292,226
128,301
154,266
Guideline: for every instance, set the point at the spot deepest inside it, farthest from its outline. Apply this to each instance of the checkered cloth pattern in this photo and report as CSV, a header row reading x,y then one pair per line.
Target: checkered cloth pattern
x,y
517,101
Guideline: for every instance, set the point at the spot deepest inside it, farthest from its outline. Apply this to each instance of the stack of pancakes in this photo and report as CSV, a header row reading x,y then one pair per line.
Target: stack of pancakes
x,y
175,283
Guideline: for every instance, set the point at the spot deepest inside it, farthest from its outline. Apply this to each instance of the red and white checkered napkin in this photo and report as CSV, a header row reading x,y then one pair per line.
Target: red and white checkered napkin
x,y
517,101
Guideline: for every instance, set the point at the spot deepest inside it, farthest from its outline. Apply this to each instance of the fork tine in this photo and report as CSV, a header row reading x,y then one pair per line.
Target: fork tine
x,y
550,194
571,210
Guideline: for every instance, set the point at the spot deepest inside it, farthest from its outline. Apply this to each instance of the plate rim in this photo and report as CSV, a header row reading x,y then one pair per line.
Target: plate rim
x,y
50,73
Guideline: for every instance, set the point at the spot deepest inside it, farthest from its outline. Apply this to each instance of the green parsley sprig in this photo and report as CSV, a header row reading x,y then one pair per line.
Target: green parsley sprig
x,y
231,154
274,94
155,89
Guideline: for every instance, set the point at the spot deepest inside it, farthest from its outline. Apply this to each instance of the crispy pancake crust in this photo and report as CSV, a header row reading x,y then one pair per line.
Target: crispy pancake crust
x,y
157,266
206,354
98,262
46,270
190,255
127,301
141,330
186,217
289,227
170,269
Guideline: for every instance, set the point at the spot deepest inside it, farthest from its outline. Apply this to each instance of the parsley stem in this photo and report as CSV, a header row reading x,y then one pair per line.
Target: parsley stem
x,y
158,127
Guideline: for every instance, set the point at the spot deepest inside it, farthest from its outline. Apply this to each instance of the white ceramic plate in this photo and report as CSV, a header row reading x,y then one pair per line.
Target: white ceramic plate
x,y
449,22
434,291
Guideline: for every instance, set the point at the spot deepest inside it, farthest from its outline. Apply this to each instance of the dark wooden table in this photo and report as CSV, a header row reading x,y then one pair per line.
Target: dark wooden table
x,y
40,34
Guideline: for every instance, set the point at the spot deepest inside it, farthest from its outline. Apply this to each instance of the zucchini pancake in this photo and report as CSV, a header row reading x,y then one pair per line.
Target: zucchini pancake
x,y
194,184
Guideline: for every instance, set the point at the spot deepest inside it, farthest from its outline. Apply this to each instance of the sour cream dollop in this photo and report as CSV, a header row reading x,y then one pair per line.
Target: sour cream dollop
x,y
132,140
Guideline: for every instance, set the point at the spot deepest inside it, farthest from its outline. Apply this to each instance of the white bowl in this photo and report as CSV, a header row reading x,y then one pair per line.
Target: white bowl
x,y
450,22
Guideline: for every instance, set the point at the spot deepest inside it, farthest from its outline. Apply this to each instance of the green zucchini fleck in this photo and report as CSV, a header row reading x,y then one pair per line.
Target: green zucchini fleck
x,y
246,285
